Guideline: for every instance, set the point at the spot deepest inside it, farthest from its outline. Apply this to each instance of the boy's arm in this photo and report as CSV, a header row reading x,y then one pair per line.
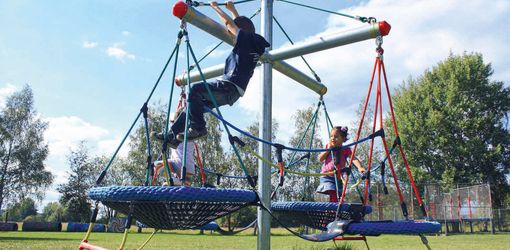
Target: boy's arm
x,y
230,6
226,19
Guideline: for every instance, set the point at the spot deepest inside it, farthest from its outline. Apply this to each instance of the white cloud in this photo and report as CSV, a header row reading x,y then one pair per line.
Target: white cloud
x,y
423,33
89,44
126,33
6,91
117,52
66,132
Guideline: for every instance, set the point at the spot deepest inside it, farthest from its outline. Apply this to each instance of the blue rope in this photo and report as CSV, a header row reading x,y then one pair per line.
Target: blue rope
x,y
222,175
275,144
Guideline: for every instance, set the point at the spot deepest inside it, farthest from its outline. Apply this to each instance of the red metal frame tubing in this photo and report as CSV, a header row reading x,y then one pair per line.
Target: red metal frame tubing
x,y
84,245
350,238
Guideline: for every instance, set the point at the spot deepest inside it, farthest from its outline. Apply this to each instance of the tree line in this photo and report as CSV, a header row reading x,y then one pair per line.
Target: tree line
x,y
452,120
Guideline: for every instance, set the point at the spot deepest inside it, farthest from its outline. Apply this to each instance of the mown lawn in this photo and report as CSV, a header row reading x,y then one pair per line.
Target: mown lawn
x,y
279,240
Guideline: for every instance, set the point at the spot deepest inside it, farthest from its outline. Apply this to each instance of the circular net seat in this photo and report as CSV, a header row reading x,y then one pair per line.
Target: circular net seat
x,y
317,214
375,228
165,207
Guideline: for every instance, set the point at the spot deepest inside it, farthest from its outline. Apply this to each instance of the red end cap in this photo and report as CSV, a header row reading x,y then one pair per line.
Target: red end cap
x,y
384,28
180,9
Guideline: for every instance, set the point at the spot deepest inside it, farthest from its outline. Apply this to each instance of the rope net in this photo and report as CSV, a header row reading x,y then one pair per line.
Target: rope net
x,y
173,207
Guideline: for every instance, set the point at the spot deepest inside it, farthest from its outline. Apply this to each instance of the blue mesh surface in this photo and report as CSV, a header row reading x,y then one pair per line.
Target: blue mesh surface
x,y
316,214
374,228
313,206
166,193
164,207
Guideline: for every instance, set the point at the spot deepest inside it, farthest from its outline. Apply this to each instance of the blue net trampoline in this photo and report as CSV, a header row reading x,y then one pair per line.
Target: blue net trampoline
x,y
165,207
411,227
317,214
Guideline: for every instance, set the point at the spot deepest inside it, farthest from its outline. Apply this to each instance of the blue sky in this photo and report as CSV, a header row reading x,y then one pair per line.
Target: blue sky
x,y
92,63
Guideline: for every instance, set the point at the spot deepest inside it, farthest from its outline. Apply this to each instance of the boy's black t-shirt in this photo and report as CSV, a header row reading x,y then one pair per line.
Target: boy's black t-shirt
x,y
241,62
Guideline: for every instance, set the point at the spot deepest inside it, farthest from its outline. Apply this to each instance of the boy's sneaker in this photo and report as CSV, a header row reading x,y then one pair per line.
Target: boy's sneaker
x,y
172,143
193,134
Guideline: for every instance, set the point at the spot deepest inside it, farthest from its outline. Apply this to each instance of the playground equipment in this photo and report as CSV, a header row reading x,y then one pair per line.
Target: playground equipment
x,y
460,207
171,207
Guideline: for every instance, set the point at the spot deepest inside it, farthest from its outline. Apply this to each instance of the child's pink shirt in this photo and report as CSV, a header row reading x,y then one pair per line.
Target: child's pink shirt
x,y
329,164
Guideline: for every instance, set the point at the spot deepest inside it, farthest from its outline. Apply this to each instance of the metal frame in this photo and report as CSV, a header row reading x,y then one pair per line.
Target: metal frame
x,y
271,59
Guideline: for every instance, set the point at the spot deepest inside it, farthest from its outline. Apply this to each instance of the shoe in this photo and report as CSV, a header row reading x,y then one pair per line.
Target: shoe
x,y
172,143
193,134
160,136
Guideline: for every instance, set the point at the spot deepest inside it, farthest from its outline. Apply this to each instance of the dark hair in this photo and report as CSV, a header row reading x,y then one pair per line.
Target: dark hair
x,y
245,24
343,130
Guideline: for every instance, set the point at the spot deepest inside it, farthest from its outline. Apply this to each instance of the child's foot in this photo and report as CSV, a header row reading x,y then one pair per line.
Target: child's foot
x,y
172,143
193,134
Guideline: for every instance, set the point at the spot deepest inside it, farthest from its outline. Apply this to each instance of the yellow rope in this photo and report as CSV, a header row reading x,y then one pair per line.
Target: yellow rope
x,y
124,238
147,241
87,235
166,168
356,184
287,170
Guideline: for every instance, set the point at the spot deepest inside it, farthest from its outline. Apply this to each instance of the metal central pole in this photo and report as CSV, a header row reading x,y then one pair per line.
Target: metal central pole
x,y
264,178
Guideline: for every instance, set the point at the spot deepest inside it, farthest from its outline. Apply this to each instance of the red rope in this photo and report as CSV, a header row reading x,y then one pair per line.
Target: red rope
x,y
359,133
402,152
376,109
380,69
200,166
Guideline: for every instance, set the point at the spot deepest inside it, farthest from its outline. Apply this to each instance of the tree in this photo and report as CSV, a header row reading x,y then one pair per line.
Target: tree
x,y
22,150
137,156
452,121
53,211
74,192
22,209
296,186
212,154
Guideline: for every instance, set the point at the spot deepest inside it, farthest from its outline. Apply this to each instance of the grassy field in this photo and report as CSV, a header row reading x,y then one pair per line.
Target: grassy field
x,y
279,240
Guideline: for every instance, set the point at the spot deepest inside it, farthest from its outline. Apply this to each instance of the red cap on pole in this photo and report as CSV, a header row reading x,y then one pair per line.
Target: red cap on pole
x,y
384,28
180,9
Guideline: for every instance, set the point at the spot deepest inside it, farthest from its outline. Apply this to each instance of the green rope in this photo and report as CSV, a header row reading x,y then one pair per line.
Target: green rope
x,y
293,155
308,160
167,122
197,3
361,19
292,42
268,162
103,173
236,151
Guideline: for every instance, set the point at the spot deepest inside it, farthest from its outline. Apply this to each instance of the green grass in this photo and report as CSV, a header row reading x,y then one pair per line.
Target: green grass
x,y
279,240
